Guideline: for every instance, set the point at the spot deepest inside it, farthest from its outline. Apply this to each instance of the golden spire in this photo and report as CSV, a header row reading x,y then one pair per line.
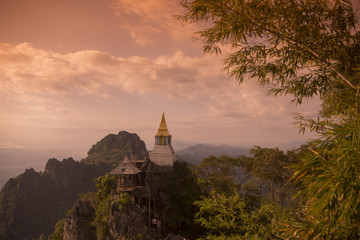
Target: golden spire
x,y
163,130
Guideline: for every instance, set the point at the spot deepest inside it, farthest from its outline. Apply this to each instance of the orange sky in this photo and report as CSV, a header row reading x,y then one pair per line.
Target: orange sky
x,y
72,71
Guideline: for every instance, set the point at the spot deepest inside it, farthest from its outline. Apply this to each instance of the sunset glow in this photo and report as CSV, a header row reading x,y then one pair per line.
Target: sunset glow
x,y
72,72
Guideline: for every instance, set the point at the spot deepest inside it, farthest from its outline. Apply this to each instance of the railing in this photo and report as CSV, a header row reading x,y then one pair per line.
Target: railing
x,y
127,188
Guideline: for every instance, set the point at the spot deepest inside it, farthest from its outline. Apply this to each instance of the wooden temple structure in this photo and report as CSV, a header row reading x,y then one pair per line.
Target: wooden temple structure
x,y
138,176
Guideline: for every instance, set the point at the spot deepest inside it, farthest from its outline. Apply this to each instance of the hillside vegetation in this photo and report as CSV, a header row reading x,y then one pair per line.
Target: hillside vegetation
x,y
113,148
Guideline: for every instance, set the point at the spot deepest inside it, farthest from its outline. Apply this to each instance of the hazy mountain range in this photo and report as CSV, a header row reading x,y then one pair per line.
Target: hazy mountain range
x,y
15,161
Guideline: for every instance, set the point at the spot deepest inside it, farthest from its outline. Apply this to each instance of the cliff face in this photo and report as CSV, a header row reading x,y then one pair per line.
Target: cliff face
x,y
33,202
120,215
24,200
78,222
127,223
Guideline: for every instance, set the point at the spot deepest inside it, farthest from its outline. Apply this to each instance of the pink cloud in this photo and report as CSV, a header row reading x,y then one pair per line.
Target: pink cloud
x,y
194,79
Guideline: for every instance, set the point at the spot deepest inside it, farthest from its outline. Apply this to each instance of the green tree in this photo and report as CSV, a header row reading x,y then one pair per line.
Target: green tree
x,y
297,47
182,191
101,221
58,233
301,48
329,177
271,167
104,184
228,217
217,174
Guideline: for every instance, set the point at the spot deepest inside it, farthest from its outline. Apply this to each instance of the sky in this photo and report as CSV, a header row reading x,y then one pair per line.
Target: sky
x,y
73,71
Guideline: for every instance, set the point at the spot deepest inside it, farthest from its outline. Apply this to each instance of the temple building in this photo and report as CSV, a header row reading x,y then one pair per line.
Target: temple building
x,y
132,174
141,178
163,153
129,176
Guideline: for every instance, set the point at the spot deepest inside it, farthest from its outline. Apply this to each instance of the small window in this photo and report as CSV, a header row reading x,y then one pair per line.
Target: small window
x,y
123,169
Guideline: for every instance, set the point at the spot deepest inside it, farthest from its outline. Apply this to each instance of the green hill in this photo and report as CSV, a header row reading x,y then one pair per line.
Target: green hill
x,y
113,148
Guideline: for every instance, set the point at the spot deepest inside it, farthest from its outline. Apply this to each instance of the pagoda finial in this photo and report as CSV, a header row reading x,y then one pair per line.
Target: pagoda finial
x,y
163,117
163,130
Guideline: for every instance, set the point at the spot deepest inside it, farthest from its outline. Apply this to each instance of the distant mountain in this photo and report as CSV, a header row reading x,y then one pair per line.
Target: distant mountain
x,y
33,202
195,154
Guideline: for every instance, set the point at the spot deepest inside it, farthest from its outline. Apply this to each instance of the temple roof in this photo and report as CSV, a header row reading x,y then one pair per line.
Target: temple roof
x,y
163,130
125,168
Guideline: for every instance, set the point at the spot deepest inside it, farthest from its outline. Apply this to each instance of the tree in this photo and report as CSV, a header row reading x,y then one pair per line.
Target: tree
x,y
182,190
104,184
229,217
298,47
270,166
217,174
329,177
58,233
301,48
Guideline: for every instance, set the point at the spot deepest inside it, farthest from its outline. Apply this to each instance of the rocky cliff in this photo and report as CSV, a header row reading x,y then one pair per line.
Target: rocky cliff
x,y
33,202
127,223
125,217
78,222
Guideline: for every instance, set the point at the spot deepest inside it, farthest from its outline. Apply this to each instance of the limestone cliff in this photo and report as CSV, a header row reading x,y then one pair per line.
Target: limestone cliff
x,y
125,223
127,216
33,202
78,222
113,148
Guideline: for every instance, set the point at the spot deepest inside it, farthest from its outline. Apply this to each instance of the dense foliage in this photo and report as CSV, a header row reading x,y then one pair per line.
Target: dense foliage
x,y
242,197
330,180
229,217
297,47
301,48
177,192
182,191
58,233
104,185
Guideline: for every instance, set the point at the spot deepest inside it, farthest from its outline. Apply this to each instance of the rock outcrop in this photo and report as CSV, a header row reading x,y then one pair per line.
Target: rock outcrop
x,y
78,222
114,147
127,223
128,214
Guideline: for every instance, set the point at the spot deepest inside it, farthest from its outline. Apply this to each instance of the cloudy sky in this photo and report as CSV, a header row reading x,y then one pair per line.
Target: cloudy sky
x,y
73,71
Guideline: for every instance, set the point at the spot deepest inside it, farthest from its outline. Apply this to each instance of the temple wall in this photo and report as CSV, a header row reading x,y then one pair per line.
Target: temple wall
x,y
163,155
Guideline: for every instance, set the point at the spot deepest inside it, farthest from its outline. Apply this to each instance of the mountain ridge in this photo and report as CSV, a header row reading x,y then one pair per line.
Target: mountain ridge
x,y
32,202
196,153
